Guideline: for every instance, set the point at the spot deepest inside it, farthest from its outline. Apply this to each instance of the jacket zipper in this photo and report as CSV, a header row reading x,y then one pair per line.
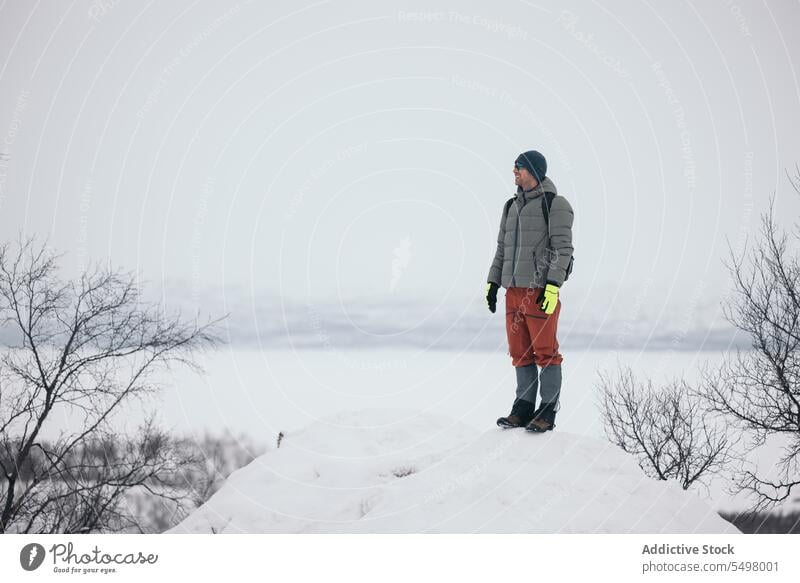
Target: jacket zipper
x,y
516,236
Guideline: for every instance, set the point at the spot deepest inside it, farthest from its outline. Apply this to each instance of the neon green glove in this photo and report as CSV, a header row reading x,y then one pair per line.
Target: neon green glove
x,y
548,298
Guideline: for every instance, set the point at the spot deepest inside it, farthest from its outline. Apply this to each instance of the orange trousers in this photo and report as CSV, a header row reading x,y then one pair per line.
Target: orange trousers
x,y
531,333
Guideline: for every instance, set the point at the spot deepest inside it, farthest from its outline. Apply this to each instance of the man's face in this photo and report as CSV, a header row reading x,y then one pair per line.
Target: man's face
x,y
523,178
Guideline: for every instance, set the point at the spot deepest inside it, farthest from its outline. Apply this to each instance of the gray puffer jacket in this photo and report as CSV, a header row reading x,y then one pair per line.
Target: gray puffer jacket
x,y
526,256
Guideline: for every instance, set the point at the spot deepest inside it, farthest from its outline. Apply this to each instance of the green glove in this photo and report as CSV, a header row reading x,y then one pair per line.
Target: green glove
x,y
491,296
548,298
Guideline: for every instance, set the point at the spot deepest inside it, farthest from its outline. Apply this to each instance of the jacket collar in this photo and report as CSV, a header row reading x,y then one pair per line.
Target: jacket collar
x,y
546,185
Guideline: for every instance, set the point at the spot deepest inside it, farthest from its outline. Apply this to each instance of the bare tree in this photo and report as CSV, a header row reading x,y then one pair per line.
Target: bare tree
x,y
88,348
220,456
666,429
216,457
759,389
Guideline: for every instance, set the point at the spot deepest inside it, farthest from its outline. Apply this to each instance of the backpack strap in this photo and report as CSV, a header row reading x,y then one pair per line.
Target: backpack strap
x,y
547,202
507,207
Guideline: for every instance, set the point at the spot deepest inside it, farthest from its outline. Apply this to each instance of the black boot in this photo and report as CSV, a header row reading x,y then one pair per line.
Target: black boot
x,y
521,414
544,418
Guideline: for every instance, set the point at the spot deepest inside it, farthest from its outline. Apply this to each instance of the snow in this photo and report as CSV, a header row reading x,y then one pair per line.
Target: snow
x,y
393,470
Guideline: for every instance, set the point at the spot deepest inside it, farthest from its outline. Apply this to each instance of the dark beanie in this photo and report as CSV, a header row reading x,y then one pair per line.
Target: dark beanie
x,y
534,162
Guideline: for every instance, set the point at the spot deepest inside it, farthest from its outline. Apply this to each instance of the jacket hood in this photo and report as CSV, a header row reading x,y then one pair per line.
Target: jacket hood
x,y
546,185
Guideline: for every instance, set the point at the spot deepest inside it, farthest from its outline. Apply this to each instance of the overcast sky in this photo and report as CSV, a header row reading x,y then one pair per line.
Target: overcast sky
x,y
332,151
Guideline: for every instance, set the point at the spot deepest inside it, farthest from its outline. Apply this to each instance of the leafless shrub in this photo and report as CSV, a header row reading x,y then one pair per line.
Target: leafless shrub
x,y
666,429
87,347
759,390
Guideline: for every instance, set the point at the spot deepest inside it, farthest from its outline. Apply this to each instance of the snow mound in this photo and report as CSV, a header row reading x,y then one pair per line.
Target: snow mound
x,y
404,471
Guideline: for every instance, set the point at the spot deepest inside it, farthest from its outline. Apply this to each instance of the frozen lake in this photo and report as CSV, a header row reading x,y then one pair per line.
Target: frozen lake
x,y
262,392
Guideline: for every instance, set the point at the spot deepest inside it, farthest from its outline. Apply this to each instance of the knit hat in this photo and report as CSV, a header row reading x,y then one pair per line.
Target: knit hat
x,y
534,162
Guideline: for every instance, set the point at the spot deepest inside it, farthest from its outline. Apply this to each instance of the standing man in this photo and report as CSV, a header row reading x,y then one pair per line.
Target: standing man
x,y
533,260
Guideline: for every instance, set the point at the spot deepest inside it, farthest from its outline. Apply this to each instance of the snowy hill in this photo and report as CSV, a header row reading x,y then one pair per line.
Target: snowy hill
x,y
404,471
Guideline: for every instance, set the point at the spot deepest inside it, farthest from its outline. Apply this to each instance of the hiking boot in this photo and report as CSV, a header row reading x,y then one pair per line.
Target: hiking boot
x,y
543,419
521,414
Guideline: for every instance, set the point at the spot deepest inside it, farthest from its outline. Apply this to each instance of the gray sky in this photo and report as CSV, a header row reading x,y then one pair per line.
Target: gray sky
x,y
333,151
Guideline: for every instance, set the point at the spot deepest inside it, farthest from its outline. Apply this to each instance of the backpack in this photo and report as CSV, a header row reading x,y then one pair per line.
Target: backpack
x,y
547,202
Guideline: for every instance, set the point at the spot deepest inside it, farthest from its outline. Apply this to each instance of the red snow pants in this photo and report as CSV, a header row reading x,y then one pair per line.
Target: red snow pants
x,y
531,333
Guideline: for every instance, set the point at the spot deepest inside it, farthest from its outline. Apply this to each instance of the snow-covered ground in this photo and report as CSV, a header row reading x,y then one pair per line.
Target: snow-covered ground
x,y
404,471
260,393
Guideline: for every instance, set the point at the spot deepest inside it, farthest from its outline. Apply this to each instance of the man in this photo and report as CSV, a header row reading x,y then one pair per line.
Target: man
x,y
533,259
